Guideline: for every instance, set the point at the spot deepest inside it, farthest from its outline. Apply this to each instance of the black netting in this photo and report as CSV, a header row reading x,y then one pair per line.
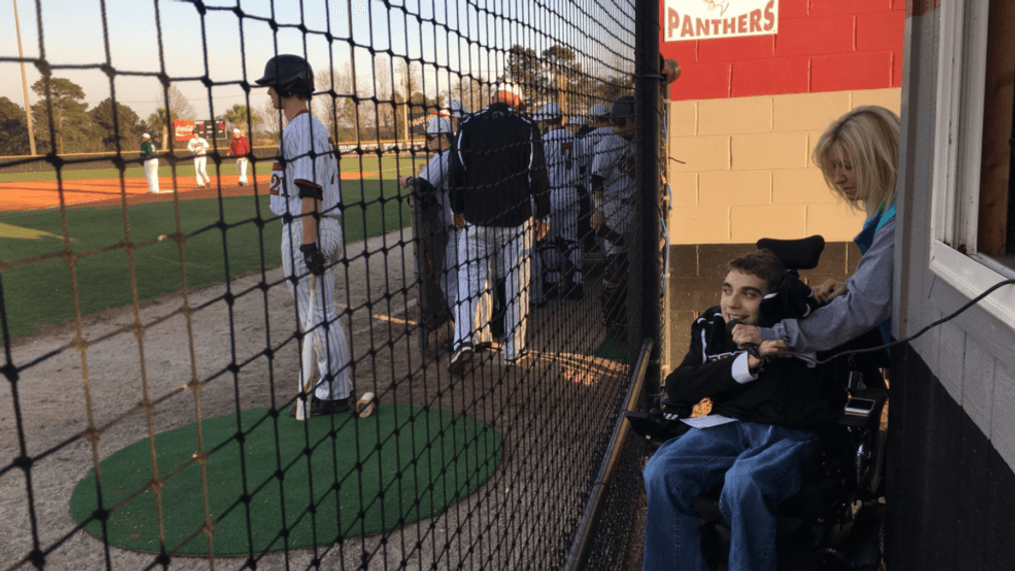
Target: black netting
x,y
485,165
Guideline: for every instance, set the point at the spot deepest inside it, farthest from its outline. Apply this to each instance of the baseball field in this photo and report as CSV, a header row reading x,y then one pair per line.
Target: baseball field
x,y
125,239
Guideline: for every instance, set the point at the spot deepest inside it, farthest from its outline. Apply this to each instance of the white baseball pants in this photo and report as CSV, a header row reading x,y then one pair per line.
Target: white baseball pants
x,y
564,212
151,172
449,285
241,164
334,358
201,171
509,251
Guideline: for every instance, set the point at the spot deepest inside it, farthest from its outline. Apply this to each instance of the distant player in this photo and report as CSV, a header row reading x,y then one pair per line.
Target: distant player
x,y
151,163
613,193
589,136
432,184
240,148
456,112
499,157
305,192
199,146
559,255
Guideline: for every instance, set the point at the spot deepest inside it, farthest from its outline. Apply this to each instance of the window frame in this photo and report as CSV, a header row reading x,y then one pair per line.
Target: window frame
x,y
958,152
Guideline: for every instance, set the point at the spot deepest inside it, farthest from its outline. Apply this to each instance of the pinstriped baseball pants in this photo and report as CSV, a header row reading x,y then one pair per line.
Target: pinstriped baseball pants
x,y
334,361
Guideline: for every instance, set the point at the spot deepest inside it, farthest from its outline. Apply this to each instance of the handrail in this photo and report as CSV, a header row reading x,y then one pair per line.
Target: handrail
x,y
579,553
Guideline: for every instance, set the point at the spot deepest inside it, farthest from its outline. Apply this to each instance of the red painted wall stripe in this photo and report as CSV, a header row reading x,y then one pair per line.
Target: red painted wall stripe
x,y
822,45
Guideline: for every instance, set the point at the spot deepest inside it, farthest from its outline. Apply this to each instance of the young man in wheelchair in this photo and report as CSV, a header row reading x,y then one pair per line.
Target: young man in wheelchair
x,y
764,412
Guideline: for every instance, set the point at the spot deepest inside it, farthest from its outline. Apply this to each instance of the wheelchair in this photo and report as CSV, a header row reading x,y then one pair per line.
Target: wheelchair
x,y
836,521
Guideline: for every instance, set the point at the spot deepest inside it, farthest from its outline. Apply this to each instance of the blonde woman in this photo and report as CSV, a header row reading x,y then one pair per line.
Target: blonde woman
x,y
858,154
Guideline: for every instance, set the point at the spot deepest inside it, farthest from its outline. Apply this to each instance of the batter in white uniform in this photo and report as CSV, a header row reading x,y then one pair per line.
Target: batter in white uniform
x,y
305,192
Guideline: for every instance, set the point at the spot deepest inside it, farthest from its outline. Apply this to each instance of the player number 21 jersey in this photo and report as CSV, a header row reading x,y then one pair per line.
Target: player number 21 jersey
x,y
306,155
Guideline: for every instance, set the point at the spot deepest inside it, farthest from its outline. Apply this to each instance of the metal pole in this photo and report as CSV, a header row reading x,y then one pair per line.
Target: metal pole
x,y
24,81
646,85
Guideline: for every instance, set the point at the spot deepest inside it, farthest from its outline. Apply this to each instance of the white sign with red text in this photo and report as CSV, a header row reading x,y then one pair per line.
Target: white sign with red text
x,y
685,20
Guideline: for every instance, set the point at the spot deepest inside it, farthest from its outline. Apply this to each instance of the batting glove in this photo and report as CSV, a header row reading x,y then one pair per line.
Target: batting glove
x,y
313,258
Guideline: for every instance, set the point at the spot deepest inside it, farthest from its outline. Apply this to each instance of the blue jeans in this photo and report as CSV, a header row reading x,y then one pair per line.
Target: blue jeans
x,y
759,466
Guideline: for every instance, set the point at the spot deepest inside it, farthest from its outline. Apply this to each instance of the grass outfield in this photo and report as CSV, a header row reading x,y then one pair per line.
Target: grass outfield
x,y
371,166
40,292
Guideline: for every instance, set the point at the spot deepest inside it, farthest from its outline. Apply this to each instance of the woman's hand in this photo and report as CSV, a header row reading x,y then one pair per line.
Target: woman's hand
x,y
829,290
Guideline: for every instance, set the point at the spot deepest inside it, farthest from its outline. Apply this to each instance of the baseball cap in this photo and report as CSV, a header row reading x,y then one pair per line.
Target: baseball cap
x,y
146,136
237,131
456,109
438,125
548,112
599,111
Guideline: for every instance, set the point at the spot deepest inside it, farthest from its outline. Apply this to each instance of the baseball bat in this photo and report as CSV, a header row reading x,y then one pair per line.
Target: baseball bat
x,y
307,364
365,405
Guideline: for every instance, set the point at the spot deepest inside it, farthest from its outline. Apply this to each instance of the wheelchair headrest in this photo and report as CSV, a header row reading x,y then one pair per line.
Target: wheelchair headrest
x,y
800,254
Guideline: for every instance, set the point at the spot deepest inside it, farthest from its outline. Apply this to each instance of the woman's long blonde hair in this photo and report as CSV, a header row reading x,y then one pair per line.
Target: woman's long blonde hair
x,y
868,138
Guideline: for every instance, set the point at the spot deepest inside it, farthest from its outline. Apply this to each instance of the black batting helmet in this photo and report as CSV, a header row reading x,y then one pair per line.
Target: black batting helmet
x,y
289,75
623,109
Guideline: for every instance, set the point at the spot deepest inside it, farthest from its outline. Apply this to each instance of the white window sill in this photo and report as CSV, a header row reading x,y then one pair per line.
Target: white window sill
x,y
972,276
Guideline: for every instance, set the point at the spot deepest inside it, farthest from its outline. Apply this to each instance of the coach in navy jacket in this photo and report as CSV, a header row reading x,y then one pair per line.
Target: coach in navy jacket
x,y
498,179
500,167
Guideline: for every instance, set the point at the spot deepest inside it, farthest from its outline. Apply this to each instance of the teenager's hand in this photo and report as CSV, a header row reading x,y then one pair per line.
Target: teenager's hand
x,y
746,334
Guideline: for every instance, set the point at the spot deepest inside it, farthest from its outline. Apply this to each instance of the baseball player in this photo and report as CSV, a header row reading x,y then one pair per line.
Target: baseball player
x,y
305,191
454,111
499,166
199,146
613,194
599,127
576,124
559,249
151,163
240,148
432,184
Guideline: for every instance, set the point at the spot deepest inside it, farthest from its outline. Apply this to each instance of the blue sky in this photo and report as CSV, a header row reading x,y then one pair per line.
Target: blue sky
x,y
73,34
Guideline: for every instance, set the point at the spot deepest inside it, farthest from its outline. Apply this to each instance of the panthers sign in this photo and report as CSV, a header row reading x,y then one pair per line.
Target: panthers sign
x,y
707,19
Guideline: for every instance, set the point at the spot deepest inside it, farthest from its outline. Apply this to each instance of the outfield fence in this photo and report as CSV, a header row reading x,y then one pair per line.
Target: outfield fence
x,y
159,434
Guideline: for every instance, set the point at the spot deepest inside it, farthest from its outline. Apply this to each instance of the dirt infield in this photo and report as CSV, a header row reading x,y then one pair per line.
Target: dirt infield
x,y
15,196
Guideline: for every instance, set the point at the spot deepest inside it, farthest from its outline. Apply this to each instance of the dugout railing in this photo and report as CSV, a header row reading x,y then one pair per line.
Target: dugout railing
x,y
153,349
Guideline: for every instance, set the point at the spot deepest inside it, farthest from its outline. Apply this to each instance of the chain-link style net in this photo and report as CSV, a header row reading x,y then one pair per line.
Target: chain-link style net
x,y
454,187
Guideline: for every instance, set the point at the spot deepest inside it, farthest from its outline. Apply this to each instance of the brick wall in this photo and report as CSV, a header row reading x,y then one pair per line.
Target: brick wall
x,y
822,45
746,171
746,113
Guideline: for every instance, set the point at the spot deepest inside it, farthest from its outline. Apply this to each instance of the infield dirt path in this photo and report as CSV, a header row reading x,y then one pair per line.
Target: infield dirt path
x,y
107,192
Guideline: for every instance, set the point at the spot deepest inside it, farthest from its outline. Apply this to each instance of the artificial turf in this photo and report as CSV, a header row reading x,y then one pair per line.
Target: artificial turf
x,y
264,493
213,232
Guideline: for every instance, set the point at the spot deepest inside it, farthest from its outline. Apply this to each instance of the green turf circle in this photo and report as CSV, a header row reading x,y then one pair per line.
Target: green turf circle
x,y
401,464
